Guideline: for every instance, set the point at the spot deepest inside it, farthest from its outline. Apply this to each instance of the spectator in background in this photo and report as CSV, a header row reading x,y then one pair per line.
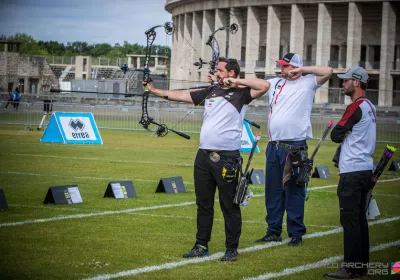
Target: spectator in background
x,y
17,98
10,97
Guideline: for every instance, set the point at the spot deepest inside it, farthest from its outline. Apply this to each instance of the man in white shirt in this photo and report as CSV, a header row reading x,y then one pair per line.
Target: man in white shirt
x,y
290,98
218,156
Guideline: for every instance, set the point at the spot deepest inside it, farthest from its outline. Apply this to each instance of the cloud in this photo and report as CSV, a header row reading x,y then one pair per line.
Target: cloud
x,y
91,21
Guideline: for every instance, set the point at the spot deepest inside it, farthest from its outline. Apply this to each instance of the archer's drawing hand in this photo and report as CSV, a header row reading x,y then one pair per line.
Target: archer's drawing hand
x,y
295,73
230,82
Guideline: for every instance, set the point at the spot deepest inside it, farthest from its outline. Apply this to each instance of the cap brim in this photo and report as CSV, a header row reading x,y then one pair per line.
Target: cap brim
x,y
282,62
344,77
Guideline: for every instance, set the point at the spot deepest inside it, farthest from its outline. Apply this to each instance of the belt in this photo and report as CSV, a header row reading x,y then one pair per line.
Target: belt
x,y
288,146
217,155
223,153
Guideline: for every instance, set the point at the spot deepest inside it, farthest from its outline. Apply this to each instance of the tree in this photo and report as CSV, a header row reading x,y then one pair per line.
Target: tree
x,y
30,47
98,50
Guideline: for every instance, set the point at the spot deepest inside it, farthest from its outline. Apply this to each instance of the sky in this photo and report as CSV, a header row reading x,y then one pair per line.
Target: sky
x,y
92,21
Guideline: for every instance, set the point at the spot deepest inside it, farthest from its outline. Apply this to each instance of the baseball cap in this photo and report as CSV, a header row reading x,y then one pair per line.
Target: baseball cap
x,y
355,73
291,59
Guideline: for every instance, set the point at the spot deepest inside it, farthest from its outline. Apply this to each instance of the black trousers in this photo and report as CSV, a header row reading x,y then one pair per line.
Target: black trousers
x,y
352,192
207,176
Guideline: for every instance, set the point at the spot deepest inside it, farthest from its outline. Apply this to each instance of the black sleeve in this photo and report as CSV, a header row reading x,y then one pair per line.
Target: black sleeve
x,y
199,96
246,95
350,118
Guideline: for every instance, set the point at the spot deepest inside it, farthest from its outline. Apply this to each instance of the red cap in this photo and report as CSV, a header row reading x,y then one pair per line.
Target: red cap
x,y
282,62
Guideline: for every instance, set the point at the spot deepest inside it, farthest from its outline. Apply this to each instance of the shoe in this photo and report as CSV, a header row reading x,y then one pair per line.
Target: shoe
x,y
197,251
230,255
296,241
270,238
341,273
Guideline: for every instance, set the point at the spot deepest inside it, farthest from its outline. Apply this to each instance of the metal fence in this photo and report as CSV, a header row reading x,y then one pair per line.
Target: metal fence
x,y
186,119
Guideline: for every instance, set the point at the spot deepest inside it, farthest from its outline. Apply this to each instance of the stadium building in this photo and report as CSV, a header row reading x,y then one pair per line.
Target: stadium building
x,y
339,34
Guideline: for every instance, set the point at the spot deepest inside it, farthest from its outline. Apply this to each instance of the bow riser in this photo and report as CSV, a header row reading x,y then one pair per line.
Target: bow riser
x,y
145,120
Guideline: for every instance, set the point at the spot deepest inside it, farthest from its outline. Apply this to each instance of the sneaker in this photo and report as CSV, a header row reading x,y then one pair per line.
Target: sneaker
x,y
230,255
270,238
341,273
296,241
197,251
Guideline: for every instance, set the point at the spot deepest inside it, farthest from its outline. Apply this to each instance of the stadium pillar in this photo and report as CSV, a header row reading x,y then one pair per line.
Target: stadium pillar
x,y
221,19
297,30
354,30
187,34
174,55
196,38
388,41
208,28
180,48
235,40
323,46
253,32
273,39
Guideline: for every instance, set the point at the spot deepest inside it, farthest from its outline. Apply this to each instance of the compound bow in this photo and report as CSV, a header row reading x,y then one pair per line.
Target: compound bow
x,y
146,120
213,44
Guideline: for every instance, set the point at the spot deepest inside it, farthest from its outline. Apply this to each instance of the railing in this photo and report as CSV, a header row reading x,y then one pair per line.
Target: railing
x,y
106,61
70,60
127,117
336,96
101,61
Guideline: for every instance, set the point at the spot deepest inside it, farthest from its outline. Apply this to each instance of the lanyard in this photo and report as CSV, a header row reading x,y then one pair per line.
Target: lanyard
x,y
280,92
273,95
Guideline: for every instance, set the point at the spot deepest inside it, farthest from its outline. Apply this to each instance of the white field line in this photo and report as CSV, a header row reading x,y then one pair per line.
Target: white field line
x,y
217,219
333,186
374,194
102,159
319,264
79,216
145,180
143,214
218,255
80,177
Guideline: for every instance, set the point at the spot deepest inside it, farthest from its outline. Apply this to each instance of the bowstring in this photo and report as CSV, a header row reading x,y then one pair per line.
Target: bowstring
x,y
251,39
163,103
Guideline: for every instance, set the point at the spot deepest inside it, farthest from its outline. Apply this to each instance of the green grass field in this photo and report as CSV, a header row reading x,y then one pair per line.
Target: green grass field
x,y
144,237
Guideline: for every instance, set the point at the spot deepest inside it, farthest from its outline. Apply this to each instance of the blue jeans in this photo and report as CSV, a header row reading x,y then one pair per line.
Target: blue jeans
x,y
277,199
